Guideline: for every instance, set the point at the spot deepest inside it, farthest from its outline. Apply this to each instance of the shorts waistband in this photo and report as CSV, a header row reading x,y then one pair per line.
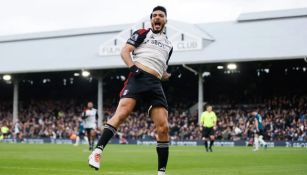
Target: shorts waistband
x,y
148,70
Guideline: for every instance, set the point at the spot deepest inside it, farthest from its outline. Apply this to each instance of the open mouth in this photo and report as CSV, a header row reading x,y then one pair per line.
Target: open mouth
x,y
157,24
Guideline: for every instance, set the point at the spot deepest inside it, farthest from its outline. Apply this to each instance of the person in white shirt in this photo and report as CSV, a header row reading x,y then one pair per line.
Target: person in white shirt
x,y
17,132
146,53
90,117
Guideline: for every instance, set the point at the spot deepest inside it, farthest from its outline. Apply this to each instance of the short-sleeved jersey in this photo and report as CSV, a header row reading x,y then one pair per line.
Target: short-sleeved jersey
x,y
90,116
259,119
208,119
151,49
5,129
81,127
17,128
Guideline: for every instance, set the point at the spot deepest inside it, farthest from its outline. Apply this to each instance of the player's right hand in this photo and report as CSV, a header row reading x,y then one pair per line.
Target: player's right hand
x,y
135,70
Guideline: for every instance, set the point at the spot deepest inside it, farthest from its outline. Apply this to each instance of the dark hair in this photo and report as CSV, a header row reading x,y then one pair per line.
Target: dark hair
x,y
161,8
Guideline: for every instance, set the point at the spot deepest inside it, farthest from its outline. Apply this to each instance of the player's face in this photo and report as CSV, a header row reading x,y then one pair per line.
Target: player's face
x,y
209,108
158,21
90,105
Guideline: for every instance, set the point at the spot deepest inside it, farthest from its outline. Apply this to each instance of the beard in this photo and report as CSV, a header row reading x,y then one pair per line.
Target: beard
x,y
157,28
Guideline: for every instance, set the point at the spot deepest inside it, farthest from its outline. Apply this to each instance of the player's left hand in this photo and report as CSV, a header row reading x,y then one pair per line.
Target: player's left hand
x,y
135,70
166,76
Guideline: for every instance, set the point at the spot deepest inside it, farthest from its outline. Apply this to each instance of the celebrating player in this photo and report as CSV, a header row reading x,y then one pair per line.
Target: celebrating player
x,y
151,52
208,121
90,117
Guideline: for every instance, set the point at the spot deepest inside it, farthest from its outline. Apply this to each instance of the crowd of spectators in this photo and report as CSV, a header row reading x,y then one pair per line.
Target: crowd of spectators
x,y
42,119
284,119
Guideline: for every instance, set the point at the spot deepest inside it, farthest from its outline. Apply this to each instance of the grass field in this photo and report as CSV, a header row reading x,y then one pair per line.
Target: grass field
x,y
50,159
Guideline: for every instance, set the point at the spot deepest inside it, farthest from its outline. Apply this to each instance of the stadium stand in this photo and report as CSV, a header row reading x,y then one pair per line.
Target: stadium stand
x,y
284,119
52,109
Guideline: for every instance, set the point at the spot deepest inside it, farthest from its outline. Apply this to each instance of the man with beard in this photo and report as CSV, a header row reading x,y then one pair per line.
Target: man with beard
x,y
151,52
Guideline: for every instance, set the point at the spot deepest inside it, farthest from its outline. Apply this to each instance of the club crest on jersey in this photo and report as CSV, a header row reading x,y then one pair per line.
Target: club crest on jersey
x,y
167,41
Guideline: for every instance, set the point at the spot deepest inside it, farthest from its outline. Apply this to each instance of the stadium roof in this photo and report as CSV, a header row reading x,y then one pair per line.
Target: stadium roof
x,y
270,35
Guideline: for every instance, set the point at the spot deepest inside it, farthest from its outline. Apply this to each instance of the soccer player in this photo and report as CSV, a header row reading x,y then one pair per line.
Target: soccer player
x,y
81,133
90,117
151,51
208,121
259,131
17,132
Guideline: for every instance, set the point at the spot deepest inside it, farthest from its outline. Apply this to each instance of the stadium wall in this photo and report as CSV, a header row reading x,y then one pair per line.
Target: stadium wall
x,y
296,144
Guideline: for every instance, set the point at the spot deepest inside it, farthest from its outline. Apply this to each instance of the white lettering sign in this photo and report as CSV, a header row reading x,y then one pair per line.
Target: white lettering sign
x,y
109,50
187,45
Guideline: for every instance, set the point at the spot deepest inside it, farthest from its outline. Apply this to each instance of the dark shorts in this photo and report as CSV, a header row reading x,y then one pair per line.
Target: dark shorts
x,y
5,134
88,130
260,132
145,87
81,134
207,132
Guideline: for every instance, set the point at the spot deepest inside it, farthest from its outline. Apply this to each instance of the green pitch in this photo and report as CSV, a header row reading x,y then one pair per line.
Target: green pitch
x,y
50,159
